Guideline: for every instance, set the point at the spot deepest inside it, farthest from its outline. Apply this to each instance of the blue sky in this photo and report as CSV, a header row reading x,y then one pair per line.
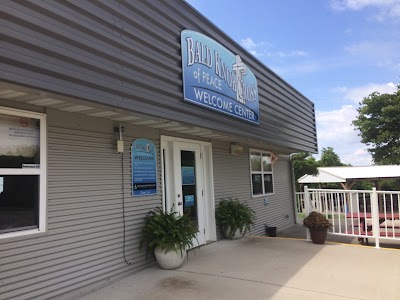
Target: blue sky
x,y
334,52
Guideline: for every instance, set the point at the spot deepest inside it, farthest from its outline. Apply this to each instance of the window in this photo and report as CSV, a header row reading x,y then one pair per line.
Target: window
x,y
22,172
261,172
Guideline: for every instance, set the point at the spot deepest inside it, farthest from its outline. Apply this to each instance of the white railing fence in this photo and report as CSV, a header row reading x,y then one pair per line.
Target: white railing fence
x,y
321,203
300,208
360,213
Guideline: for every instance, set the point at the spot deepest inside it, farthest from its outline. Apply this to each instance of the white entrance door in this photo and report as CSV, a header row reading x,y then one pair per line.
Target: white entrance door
x,y
189,185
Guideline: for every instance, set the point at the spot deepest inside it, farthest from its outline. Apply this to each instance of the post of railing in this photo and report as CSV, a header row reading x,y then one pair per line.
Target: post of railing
x,y
308,209
299,206
375,217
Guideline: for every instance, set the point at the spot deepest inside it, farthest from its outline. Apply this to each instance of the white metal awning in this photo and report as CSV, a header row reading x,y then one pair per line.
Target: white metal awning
x,y
344,174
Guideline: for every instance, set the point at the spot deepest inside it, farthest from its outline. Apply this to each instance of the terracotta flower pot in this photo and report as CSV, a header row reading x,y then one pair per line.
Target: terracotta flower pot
x,y
318,236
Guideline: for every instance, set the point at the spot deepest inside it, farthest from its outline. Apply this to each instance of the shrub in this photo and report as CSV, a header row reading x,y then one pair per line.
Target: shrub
x,y
316,220
168,230
232,214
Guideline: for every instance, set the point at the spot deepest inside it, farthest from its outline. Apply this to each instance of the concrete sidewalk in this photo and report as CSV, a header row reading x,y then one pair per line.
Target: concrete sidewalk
x,y
268,268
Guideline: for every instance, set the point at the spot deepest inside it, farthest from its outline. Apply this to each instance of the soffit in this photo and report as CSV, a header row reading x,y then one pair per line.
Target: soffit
x,y
43,99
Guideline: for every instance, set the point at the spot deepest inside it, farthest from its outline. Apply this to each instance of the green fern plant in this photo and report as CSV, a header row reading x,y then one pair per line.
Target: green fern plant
x,y
168,231
231,215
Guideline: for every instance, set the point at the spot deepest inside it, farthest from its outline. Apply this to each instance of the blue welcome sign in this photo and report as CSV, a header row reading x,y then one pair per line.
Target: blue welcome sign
x,y
215,78
144,168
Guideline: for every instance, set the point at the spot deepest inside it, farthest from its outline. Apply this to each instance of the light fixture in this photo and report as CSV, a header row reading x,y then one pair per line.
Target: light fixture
x,y
120,143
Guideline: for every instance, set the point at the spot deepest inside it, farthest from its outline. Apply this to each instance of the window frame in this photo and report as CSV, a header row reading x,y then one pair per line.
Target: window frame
x,y
41,172
262,172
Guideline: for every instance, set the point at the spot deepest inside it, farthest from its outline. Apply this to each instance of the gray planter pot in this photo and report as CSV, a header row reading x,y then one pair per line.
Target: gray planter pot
x,y
237,235
170,260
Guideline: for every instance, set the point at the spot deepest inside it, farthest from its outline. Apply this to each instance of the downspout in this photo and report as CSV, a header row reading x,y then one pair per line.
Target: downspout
x,y
293,180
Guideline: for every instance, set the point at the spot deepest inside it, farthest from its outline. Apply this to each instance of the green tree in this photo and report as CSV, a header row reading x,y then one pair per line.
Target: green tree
x,y
304,164
329,158
378,121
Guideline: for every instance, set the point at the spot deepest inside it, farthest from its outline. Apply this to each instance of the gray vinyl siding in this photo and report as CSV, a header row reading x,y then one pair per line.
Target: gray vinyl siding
x,y
232,179
82,248
126,54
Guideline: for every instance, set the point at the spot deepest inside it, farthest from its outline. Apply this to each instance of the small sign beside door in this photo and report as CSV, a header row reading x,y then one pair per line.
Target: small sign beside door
x,y
144,168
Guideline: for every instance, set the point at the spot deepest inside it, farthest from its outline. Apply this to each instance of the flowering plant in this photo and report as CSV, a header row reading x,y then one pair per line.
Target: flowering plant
x,y
316,220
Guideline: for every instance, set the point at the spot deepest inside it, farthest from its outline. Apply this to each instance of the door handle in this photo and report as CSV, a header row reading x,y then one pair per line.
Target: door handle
x,y
179,203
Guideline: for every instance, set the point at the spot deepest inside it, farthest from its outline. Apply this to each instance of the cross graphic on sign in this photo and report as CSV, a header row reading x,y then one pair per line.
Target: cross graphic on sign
x,y
240,69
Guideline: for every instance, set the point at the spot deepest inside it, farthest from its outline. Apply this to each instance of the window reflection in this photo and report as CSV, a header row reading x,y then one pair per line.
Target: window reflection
x,y
255,161
267,166
19,142
268,186
261,172
257,184
19,206
188,169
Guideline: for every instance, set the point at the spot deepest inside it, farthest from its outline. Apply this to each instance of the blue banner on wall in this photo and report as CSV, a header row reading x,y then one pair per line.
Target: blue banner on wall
x,y
144,168
216,78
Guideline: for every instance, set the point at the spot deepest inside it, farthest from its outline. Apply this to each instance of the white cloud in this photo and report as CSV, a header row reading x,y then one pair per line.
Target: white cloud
x,y
257,49
348,31
361,4
357,94
339,89
248,43
262,48
359,157
370,48
334,129
373,48
297,69
290,53
384,8
254,53
383,54
298,53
